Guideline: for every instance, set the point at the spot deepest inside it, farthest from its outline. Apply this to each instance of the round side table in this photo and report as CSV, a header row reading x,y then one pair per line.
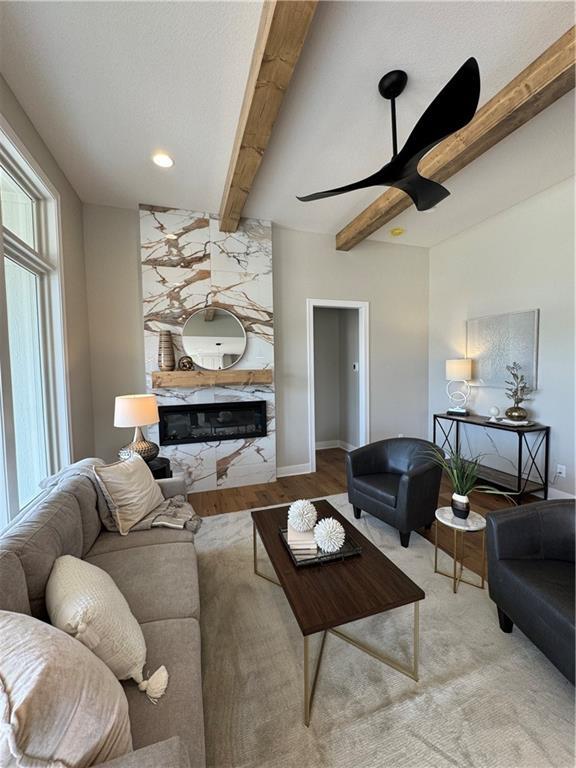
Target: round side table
x,y
472,524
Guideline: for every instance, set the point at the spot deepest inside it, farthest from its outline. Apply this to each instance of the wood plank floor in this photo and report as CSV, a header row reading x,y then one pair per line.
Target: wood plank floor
x,y
330,479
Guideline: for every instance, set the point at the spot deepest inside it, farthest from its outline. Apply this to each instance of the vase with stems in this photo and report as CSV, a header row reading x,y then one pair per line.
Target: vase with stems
x,y
517,391
463,475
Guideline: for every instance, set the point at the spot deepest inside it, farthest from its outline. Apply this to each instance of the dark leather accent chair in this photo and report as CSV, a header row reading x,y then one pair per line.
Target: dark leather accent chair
x,y
397,481
531,575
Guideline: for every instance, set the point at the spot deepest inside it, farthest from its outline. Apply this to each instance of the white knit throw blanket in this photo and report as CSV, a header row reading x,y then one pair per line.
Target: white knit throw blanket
x,y
175,512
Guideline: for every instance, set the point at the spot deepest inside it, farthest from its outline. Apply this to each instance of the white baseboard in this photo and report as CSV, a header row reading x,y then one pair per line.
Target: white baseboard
x,y
335,444
554,493
323,446
293,469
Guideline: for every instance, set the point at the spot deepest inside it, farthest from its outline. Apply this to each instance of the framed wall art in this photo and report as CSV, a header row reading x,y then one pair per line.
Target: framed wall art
x,y
495,341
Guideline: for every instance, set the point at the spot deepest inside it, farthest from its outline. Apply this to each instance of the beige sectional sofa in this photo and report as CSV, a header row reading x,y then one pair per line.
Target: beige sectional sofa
x,y
156,570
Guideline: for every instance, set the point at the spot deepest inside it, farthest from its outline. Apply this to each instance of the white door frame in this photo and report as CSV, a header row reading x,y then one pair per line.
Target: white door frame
x,y
363,363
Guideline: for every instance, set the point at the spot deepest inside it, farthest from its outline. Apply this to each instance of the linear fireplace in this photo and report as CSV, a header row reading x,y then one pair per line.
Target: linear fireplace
x,y
212,422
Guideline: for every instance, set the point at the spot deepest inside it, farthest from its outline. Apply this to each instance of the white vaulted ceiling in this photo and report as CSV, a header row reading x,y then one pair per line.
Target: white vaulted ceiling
x,y
107,83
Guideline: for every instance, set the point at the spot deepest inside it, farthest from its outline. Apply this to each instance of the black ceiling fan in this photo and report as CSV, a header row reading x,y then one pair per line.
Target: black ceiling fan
x,y
452,109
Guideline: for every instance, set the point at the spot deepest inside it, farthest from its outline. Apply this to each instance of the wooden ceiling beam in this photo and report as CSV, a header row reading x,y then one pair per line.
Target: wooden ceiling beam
x,y
279,42
544,81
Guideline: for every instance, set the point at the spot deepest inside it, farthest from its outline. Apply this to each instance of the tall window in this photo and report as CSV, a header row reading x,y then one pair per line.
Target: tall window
x,y
33,398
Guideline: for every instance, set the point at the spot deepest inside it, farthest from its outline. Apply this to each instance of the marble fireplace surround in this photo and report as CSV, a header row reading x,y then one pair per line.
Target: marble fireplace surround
x,y
197,267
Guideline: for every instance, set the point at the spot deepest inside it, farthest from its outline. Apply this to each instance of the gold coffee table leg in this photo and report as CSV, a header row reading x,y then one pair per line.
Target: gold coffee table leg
x,y
256,571
309,690
410,671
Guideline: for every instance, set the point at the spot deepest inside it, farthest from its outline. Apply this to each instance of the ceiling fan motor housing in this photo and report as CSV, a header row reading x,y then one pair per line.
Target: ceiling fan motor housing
x,y
393,83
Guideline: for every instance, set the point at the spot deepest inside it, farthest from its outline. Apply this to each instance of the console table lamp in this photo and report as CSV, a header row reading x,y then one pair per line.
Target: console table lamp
x,y
458,372
137,411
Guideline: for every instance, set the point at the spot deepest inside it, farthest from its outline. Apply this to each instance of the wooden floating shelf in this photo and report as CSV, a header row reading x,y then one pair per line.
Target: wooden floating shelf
x,y
192,379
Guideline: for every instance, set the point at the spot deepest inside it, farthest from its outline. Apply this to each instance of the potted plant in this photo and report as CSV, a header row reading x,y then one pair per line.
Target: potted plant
x,y
463,474
518,391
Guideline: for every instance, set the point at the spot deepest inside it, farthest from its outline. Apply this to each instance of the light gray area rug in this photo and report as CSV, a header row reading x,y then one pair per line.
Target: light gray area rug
x,y
484,698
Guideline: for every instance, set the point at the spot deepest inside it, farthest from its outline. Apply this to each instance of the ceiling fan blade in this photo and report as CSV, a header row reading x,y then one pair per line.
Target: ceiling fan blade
x,y
370,181
424,193
452,109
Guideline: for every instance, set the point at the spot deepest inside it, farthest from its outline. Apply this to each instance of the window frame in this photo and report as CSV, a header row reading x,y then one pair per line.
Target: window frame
x,y
45,261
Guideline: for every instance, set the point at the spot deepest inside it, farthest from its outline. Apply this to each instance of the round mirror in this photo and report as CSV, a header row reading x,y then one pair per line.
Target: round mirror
x,y
214,338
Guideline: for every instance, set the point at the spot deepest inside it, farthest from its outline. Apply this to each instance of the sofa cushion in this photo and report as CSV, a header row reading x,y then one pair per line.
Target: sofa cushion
x,y
180,711
171,753
159,581
49,530
111,542
382,486
13,590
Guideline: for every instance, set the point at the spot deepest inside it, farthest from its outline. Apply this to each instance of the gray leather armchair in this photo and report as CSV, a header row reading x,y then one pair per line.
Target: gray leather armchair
x,y
531,575
395,480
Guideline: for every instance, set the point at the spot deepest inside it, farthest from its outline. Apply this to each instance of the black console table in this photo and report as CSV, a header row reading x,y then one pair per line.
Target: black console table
x,y
532,462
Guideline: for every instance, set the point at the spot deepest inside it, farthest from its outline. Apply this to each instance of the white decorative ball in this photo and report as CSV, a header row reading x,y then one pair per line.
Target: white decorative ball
x,y
329,535
302,515
494,412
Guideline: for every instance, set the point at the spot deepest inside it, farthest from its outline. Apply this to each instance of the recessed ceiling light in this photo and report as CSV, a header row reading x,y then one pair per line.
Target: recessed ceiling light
x,y
163,160
397,231
170,236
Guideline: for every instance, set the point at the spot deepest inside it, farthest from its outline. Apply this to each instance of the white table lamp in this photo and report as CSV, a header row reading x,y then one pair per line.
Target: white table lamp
x,y
458,372
137,411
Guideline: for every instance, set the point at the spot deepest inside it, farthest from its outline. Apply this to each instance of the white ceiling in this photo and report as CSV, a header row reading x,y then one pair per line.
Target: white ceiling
x,y
107,83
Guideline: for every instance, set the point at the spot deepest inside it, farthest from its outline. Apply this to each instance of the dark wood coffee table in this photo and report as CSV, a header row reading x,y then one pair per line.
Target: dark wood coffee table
x,y
323,597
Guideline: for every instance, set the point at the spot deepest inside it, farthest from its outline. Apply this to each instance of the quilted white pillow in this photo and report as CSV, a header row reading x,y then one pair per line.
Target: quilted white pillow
x,y
84,601
129,489
59,704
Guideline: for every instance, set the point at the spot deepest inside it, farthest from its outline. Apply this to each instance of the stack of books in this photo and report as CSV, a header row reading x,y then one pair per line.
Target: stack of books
x,y
301,543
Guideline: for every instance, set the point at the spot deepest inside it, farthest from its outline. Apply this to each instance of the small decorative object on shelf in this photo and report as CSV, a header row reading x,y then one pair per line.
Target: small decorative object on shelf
x,y
166,360
302,515
185,363
329,535
518,391
494,413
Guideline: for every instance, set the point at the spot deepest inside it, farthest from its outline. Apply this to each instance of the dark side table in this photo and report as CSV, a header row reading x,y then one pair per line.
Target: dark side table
x,y
160,468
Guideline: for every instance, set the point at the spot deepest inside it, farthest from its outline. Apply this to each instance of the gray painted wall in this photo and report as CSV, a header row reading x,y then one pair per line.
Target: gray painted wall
x,y
520,259
111,241
394,279
76,316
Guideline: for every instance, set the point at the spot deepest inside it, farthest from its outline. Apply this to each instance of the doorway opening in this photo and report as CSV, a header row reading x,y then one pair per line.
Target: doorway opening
x,y
338,375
